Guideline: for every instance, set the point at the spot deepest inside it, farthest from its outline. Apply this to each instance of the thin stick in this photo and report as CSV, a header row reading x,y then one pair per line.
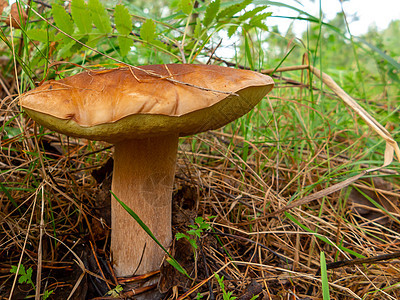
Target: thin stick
x,y
3,85
23,249
40,251
285,69
359,261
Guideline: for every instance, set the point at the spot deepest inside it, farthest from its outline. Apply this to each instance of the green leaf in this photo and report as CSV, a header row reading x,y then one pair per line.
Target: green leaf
x,y
261,25
41,35
99,16
123,20
186,6
148,30
47,294
115,292
232,29
199,220
252,13
260,17
125,45
25,275
174,4
11,132
230,11
14,269
211,12
180,235
220,280
193,243
204,226
248,52
77,46
170,259
192,232
64,49
159,44
197,28
62,19
70,47
123,23
79,12
21,279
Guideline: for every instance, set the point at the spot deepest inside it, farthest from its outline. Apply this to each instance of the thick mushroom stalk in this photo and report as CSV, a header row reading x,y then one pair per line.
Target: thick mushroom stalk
x,y
143,179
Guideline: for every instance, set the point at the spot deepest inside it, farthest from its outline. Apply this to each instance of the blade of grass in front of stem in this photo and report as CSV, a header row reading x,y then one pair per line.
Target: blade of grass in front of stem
x,y
172,261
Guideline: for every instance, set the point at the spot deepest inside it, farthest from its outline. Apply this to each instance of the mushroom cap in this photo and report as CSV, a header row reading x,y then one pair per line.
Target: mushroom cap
x,y
147,101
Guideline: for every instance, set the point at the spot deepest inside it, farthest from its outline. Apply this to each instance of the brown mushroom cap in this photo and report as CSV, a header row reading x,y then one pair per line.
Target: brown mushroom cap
x,y
116,104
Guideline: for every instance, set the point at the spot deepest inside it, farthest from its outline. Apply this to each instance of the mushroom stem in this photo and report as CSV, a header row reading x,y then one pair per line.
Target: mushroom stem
x,y
143,178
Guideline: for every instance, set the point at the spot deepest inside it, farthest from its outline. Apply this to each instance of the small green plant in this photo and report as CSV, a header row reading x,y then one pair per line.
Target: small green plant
x,y
115,292
47,294
195,232
226,295
25,276
199,296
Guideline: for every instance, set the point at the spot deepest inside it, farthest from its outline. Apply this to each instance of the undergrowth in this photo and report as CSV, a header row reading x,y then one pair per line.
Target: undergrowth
x,y
299,140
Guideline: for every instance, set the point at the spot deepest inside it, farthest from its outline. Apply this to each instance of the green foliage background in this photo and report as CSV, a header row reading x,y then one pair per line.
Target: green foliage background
x,y
186,31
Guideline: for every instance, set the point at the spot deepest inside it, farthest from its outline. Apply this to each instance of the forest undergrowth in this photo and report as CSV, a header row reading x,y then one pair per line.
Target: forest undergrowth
x,y
240,201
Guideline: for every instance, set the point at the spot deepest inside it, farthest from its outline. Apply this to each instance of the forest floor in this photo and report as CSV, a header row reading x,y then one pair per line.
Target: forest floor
x,y
55,207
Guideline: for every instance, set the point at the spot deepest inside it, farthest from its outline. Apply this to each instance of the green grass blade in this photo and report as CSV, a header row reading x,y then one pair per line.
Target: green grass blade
x,y
170,260
324,278
283,59
248,52
382,54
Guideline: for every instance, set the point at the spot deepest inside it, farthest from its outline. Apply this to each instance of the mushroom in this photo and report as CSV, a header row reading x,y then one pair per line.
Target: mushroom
x,y
143,111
